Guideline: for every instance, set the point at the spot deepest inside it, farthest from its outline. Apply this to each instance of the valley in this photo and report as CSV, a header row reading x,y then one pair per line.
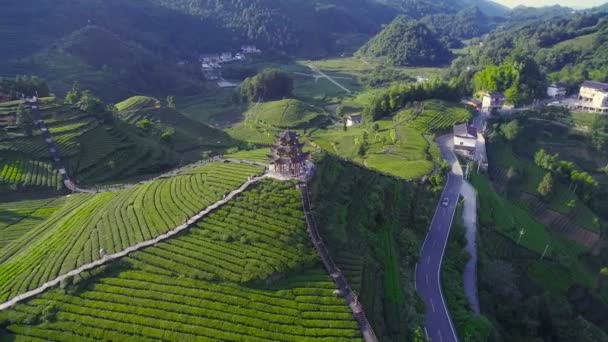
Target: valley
x,y
303,171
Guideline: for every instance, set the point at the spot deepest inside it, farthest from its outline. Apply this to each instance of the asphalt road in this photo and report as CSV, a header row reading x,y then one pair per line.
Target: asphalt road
x,y
438,324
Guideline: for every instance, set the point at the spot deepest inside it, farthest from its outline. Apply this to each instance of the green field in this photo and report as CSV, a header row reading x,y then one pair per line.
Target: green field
x,y
99,151
259,155
198,286
188,134
509,218
18,218
360,67
73,235
504,158
287,113
411,155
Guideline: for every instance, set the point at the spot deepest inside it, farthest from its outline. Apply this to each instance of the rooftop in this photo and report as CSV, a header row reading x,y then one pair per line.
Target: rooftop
x,y
355,117
559,85
465,131
595,85
496,95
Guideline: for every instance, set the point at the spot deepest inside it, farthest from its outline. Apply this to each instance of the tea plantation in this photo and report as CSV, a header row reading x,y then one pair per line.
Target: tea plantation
x,y
230,278
113,221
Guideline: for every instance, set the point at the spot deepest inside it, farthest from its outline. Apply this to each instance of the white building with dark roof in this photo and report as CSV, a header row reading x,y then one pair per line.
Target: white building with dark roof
x,y
465,140
557,90
492,102
353,119
593,97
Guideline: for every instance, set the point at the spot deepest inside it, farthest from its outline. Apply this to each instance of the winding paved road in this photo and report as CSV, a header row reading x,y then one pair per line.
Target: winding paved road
x,y
438,324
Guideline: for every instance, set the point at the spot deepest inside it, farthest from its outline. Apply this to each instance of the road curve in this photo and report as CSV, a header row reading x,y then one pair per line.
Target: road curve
x,y
438,324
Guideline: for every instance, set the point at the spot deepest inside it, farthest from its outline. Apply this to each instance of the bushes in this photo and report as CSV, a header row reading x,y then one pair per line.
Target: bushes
x,y
113,221
188,288
270,84
387,101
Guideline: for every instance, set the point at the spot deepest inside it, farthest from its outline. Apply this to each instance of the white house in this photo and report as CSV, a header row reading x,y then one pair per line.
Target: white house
x,y
353,119
557,90
250,49
421,79
465,140
226,56
492,102
593,97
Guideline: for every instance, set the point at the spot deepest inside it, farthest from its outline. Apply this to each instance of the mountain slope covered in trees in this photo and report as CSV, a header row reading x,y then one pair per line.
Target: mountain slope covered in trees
x,y
409,43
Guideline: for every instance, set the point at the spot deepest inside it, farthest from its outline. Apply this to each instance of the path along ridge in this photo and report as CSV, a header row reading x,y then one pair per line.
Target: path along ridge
x,y
111,257
334,271
48,139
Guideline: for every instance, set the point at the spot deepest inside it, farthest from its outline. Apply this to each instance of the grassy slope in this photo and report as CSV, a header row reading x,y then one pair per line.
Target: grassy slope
x,y
508,218
289,113
374,226
188,134
412,156
119,68
97,152
18,218
113,221
504,158
195,286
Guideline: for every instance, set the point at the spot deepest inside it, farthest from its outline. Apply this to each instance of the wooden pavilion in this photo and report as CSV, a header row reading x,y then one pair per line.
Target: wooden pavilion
x,y
287,157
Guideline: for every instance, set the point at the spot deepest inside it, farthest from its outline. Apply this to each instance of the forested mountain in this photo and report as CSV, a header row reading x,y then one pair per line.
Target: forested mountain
x,y
60,40
525,13
407,42
452,28
570,48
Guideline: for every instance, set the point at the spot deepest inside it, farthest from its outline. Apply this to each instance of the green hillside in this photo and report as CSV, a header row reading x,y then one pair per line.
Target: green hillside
x,y
93,150
374,226
288,113
120,68
197,286
154,119
407,42
97,151
73,235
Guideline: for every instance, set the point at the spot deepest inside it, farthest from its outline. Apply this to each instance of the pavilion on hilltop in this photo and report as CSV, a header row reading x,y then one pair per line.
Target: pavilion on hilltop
x,y
287,157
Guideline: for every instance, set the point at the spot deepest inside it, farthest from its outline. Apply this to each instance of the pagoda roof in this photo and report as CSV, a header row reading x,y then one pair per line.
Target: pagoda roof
x,y
288,136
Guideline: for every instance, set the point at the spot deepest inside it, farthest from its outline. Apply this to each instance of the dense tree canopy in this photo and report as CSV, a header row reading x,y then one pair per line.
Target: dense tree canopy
x,y
268,85
409,43
398,95
26,85
520,78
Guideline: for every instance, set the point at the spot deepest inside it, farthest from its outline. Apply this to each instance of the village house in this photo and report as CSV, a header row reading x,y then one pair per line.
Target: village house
x,y
250,49
226,57
593,97
465,140
557,90
209,58
492,102
353,119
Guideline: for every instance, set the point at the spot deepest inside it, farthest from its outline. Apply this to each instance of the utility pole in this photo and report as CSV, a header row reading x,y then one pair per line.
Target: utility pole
x,y
521,233
544,252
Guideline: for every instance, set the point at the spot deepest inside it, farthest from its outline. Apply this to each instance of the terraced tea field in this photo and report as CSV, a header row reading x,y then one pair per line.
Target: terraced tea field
x,y
74,235
217,281
188,133
440,115
93,151
18,218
